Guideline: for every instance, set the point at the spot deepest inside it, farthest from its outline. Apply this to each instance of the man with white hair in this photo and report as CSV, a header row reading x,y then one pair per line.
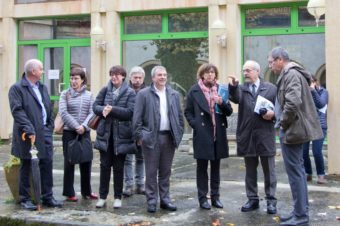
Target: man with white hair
x,y
136,161
32,112
255,134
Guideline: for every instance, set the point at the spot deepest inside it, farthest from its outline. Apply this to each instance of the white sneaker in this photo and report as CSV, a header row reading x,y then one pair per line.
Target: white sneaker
x,y
101,203
117,203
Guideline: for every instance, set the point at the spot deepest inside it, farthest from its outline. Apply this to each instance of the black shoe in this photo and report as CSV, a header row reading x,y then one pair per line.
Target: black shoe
x,y
128,191
296,221
168,206
216,203
52,203
271,206
140,190
28,205
286,217
252,204
205,205
151,208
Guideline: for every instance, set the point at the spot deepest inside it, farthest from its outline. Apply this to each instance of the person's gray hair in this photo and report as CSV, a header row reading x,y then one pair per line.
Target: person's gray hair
x,y
155,68
279,52
256,66
31,64
137,70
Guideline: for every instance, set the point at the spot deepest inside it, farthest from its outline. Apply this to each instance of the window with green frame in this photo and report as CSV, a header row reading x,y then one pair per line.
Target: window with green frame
x,y
176,39
289,25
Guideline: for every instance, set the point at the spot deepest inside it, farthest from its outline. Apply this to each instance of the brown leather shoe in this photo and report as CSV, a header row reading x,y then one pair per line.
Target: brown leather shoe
x,y
309,177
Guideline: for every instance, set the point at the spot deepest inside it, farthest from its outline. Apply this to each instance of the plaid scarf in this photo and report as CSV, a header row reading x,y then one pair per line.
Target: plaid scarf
x,y
209,92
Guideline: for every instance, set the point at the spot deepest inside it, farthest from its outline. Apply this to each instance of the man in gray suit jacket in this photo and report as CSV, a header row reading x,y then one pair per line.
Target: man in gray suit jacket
x,y
297,118
158,126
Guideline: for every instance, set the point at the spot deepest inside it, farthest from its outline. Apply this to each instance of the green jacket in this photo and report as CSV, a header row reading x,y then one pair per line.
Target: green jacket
x,y
299,118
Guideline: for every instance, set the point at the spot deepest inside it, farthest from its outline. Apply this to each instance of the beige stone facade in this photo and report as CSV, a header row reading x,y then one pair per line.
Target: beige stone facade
x,y
224,18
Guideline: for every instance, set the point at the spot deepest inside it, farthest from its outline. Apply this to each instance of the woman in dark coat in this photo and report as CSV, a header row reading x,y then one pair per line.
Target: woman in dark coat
x,y
209,132
115,103
75,108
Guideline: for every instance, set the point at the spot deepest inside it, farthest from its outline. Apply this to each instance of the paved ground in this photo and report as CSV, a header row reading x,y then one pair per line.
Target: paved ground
x,y
323,199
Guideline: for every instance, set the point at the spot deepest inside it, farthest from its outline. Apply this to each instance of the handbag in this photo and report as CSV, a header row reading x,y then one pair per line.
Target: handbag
x,y
128,148
58,121
93,122
78,148
58,124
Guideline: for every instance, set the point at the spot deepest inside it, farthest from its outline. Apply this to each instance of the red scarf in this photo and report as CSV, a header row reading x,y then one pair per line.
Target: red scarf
x,y
209,93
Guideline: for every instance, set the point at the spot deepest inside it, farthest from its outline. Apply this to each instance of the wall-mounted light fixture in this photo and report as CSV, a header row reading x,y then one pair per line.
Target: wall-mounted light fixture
x,y
101,44
218,30
97,33
316,8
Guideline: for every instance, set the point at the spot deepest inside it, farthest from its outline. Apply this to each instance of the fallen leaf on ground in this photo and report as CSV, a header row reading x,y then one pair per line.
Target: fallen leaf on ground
x,y
322,214
276,219
216,222
332,207
230,224
338,218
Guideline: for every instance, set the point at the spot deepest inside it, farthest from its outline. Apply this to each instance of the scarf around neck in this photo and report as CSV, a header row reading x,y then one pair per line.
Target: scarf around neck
x,y
209,93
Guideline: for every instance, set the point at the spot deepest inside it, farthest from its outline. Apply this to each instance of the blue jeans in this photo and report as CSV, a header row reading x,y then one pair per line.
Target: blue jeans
x,y
129,174
317,153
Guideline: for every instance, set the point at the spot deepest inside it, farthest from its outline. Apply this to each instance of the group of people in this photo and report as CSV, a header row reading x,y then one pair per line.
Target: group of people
x,y
149,121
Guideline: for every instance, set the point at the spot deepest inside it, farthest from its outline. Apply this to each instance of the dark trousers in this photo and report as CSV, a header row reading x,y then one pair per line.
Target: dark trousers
x,y
293,159
85,170
202,179
317,154
158,163
46,175
268,166
109,160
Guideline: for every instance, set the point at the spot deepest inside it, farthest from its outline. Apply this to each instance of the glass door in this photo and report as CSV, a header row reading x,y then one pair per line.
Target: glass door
x,y
58,60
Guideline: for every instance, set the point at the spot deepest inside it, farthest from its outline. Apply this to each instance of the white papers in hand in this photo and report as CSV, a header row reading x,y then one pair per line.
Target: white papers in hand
x,y
262,102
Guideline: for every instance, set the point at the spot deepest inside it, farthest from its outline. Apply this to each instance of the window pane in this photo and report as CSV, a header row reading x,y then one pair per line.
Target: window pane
x,y
26,53
54,29
268,18
298,46
81,57
306,19
183,22
143,24
181,58
54,60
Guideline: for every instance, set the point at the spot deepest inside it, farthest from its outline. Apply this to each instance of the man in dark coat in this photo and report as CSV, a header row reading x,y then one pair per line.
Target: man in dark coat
x,y
255,134
158,127
32,112
297,118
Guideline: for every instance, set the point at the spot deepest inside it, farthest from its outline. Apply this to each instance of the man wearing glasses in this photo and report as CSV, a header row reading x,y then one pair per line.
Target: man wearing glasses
x,y
255,134
298,121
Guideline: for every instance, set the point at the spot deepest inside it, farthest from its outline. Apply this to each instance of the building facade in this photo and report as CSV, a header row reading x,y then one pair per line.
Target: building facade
x,y
181,35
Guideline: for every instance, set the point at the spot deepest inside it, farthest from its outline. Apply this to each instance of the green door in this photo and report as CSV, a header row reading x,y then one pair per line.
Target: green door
x,y
58,59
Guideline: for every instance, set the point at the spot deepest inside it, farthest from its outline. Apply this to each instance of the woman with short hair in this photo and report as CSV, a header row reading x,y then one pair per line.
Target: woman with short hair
x,y
75,108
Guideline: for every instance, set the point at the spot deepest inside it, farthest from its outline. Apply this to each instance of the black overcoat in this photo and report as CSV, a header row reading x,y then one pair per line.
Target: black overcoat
x,y
28,118
255,135
198,116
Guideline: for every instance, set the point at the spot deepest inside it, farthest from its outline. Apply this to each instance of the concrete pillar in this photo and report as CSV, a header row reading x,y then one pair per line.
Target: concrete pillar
x,y
98,46
333,83
8,59
218,37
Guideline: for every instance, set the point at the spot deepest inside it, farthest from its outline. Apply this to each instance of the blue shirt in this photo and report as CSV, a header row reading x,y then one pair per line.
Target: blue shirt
x,y
36,90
